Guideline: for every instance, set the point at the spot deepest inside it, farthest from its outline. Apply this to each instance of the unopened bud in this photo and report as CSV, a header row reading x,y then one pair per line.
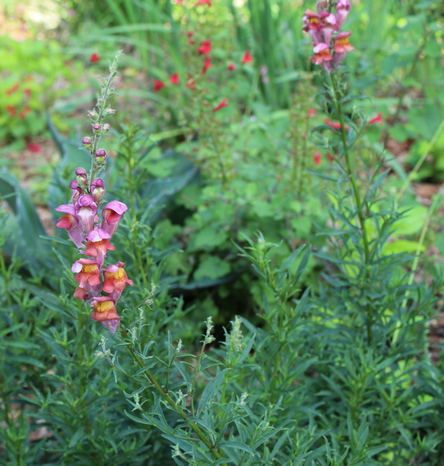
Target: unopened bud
x,y
80,172
106,126
97,127
101,155
81,176
97,189
92,114
110,111
86,141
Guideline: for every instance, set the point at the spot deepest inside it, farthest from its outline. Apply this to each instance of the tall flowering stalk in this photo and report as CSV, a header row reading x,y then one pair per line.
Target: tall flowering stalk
x,y
99,284
330,46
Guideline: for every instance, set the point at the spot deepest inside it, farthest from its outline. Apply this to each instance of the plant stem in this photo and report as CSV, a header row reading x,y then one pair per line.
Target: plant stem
x,y
356,194
176,408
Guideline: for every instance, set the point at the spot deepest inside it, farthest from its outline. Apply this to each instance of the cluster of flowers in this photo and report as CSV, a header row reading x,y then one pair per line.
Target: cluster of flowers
x,y
12,109
90,233
328,51
204,49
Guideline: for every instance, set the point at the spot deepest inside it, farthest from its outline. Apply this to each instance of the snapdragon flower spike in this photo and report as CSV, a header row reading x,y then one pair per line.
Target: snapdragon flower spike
x,y
329,51
71,223
98,245
116,280
111,215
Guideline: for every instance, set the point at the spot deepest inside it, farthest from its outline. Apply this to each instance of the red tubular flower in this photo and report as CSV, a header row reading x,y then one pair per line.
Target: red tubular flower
x,y
205,47
247,58
88,272
330,157
94,58
312,112
104,309
12,89
24,112
203,2
335,125
191,84
116,280
11,110
34,147
376,119
207,64
317,158
158,85
231,66
174,79
221,105
27,92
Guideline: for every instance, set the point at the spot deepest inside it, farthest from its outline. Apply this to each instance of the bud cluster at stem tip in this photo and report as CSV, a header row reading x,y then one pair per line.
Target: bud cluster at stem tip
x,y
330,45
90,233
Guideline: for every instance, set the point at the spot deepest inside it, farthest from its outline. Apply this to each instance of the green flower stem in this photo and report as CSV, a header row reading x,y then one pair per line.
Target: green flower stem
x,y
175,407
357,196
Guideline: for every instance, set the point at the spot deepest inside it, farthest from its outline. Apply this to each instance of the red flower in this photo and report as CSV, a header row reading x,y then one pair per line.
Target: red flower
x,y
317,158
312,111
334,125
221,105
94,58
12,89
330,157
27,92
203,2
34,147
174,79
207,64
24,112
376,119
231,66
158,85
247,58
205,47
11,110
191,84
179,2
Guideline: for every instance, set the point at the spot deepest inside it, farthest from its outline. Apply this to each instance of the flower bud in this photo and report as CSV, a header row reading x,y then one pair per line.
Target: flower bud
x,y
97,128
101,155
106,127
97,190
81,177
92,114
86,141
110,111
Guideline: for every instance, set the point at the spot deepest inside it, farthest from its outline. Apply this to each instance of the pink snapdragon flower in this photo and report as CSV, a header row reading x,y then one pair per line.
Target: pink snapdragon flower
x,y
111,214
116,280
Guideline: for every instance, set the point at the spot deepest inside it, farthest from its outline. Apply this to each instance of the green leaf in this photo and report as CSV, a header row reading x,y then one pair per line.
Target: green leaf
x,y
210,391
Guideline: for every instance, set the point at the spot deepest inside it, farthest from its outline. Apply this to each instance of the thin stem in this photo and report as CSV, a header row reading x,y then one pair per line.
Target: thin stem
x,y
176,408
356,194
